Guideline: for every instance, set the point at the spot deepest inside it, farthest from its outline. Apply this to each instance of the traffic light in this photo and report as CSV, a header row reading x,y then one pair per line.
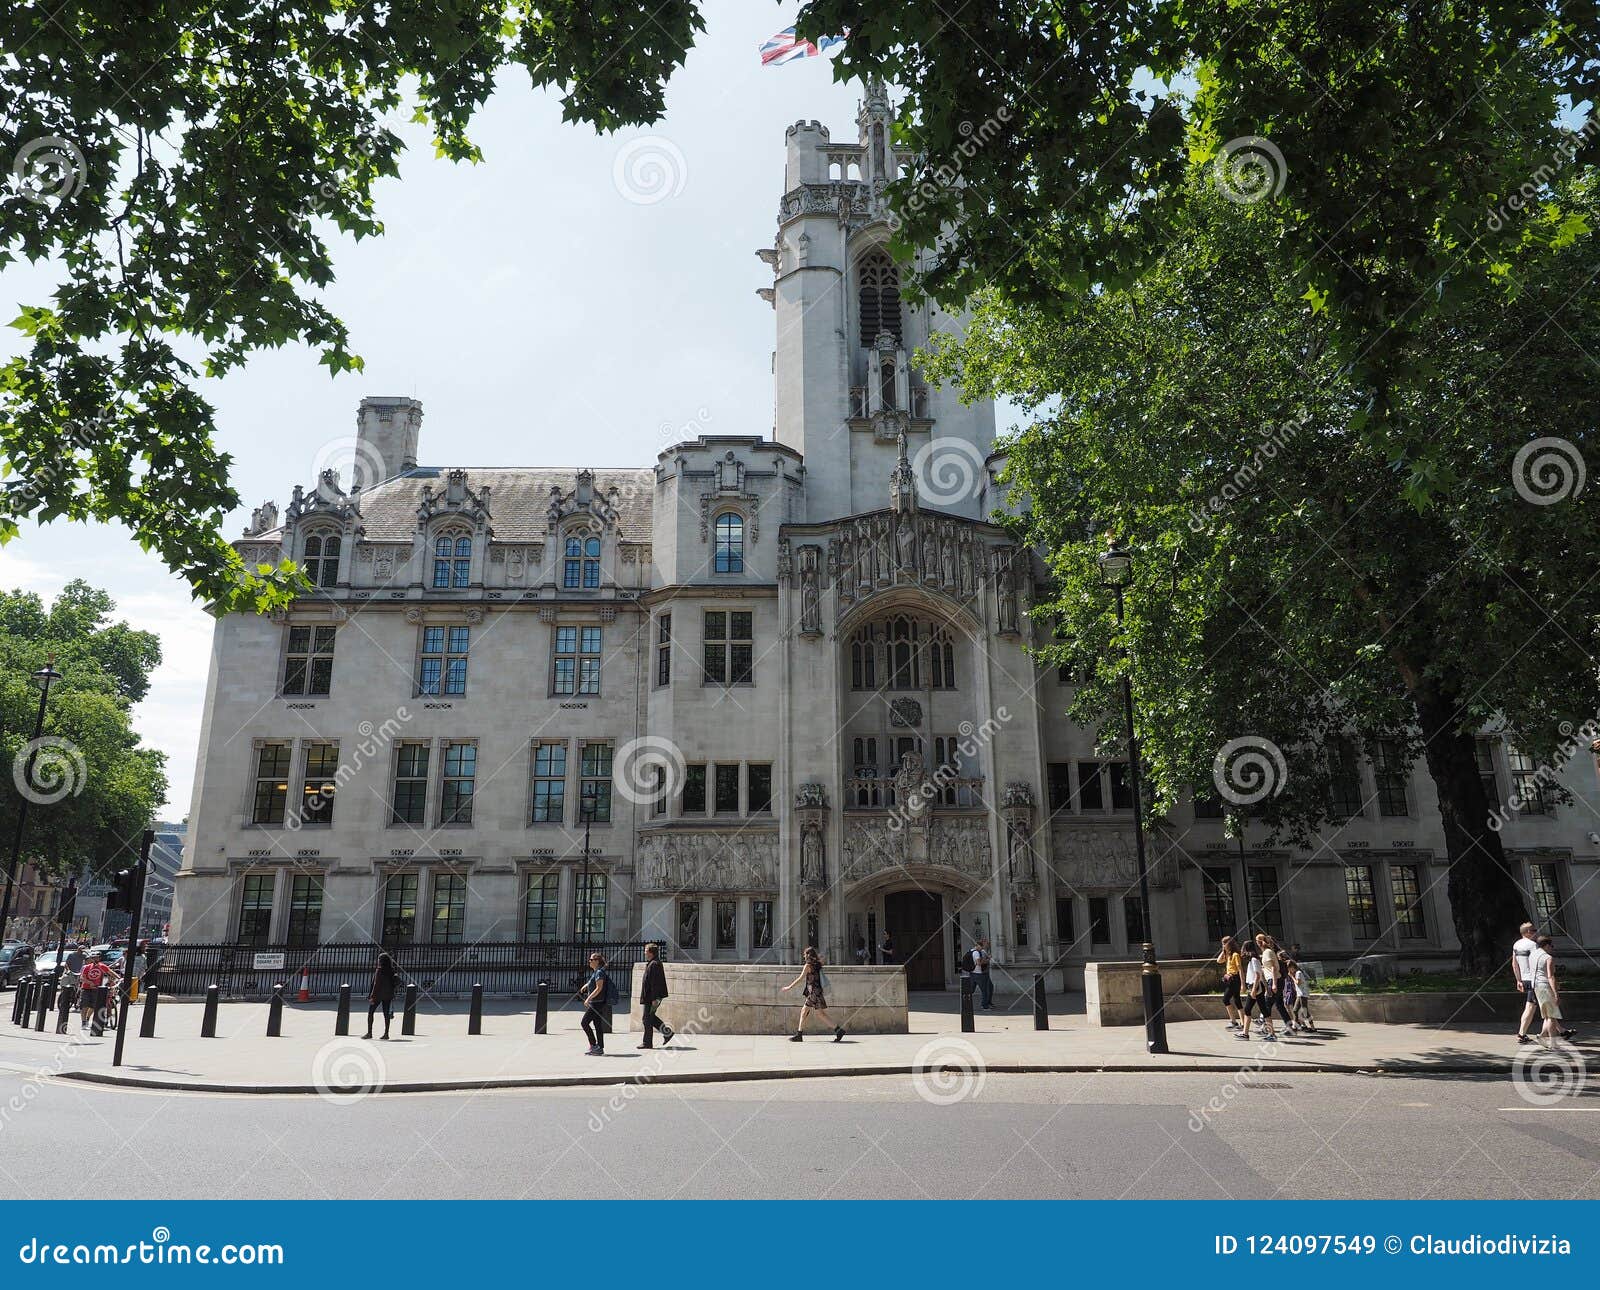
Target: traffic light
x,y
124,893
67,903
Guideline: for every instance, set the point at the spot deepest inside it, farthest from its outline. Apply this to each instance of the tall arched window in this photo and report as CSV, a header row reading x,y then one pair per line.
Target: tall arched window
x,y
879,300
322,559
730,543
903,653
581,569
904,672
452,559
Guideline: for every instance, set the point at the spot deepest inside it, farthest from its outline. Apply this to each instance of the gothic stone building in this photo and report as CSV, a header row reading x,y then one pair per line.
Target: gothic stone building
x,y
780,684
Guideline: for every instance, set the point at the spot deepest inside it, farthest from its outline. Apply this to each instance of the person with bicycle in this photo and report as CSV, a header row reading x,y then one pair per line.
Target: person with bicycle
x,y
95,985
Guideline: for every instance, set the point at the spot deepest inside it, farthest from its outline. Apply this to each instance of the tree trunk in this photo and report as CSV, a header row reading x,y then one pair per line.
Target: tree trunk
x,y
1486,901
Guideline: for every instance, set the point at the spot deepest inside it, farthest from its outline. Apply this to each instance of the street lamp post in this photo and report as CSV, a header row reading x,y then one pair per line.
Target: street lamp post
x,y
587,800
1116,572
45,677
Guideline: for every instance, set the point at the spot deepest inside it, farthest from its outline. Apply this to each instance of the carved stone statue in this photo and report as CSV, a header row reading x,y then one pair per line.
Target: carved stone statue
x,y
947,556
906,539
810,606
811,867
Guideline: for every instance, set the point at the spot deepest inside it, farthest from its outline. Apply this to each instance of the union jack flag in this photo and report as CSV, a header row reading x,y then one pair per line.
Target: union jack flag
x,y
786,48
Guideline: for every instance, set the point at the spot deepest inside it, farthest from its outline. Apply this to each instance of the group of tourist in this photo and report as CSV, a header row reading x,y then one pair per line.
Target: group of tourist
x,y
1257,976
1533,968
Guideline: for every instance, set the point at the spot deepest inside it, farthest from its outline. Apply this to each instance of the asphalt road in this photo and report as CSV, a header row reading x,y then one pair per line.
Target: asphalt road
x,y
1309,1136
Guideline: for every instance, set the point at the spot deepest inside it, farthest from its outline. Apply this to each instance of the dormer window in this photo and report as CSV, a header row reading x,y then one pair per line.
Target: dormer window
x,y
452,559
879,301
730,543
321,559
581,568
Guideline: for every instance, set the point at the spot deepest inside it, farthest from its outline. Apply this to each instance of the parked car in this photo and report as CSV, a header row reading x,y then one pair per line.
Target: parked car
x,y
16,962
110,954
45,964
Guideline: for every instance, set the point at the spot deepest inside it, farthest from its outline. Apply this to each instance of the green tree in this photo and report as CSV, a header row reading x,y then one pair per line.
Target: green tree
x,y
94,788
1408,150
181,167
1285,592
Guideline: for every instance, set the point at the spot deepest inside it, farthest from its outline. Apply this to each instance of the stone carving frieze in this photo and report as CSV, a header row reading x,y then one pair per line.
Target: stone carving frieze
x,y
709,861
873,846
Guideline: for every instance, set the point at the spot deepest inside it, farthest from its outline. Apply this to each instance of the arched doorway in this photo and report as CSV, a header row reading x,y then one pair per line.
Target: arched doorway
x,y
916,921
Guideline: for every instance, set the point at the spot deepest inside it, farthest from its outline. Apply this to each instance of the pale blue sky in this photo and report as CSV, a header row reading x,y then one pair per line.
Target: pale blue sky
x,y
541,316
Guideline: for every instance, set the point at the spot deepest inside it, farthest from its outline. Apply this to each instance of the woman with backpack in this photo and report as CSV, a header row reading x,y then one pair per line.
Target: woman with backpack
x,y
599,996
816,999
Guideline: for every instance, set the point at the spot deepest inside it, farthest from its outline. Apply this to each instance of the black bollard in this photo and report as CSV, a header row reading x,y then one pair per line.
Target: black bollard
x,y
45,1002
1041,1013
275,1012
341,1023
475,1018
25,1000
541,1010
16,1003
968,1026
147,1019
408,1019
208,1019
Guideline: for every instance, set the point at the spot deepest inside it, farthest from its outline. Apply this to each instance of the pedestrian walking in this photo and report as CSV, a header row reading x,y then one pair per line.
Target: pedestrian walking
x,y
1272,974
981,975
380,994
886,949
599,997
75,960
1232,980
1547,990
1302,996
816,998
1255,989
1522,974
652,990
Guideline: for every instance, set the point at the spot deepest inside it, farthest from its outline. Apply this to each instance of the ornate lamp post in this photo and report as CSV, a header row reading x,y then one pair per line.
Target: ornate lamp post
x,y
1116,573
588,800
45,677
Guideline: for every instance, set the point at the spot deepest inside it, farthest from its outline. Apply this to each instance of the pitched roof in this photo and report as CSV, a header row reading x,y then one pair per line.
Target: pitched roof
x,y
519,500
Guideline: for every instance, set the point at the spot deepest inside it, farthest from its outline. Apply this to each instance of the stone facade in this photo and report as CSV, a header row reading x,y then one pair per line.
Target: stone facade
x,y
781,686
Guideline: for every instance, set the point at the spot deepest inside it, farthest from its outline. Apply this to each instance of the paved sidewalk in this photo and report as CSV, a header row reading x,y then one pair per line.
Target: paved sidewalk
x,y
309,1058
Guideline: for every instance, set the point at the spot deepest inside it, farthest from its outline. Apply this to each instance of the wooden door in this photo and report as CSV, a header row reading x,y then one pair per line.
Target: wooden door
x,y
916,921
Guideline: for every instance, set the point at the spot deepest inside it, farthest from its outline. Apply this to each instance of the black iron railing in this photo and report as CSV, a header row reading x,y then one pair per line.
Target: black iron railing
x,y
501,967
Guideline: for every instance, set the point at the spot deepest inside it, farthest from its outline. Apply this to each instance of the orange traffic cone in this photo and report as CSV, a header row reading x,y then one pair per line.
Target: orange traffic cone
x,y
305,985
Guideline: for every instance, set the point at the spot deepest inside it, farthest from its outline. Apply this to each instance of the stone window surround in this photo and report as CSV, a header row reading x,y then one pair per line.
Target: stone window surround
x,y
447,625
579,626
284,654
572,798
295,793
744,947
676,811
1381,862
427,869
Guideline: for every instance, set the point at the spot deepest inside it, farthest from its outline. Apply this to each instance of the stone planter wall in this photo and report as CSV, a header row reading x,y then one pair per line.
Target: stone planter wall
x,y
748,999
1113,995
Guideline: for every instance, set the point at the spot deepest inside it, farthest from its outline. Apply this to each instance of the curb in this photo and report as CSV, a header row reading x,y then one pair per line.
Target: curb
x,y
778,1073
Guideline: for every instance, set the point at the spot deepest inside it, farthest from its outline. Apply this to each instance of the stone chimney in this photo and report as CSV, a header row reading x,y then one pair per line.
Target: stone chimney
x,y
387,429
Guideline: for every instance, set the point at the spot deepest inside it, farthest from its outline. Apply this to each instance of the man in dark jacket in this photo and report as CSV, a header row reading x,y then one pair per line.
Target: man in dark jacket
x,y
652,990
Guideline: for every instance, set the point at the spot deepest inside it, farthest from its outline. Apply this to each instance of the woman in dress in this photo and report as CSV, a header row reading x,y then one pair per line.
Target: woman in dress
x,y
815,1000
